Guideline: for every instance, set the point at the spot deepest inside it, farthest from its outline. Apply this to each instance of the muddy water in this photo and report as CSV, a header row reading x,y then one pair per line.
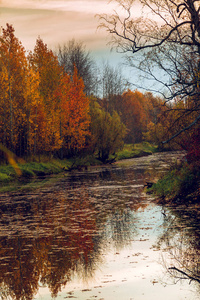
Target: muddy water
x,y
97,235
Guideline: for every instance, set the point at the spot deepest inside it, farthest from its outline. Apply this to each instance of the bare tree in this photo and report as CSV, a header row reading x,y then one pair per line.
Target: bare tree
x,y
163,43
112,81
74,54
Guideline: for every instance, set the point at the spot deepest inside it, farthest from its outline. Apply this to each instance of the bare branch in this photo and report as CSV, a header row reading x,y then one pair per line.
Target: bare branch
x,y
186,276
182,130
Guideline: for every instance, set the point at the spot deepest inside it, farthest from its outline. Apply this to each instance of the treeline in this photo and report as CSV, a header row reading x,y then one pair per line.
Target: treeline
x,y
48,103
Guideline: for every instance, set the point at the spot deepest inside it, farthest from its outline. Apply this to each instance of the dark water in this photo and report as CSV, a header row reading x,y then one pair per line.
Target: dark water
x,y
97,235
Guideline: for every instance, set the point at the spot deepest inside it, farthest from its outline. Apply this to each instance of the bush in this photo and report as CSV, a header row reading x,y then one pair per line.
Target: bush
x,y
27,173
4,177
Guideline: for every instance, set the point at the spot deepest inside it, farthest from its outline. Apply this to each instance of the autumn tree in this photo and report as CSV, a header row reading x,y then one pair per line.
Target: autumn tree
x,y
31,108
172,120
134,115
163,43
136,111
17,95
11,77
64,115
46,64
74,113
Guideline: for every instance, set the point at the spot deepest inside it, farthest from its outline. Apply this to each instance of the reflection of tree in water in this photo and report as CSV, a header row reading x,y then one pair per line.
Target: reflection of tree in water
x,y
50,238
47,243
119,228
180,243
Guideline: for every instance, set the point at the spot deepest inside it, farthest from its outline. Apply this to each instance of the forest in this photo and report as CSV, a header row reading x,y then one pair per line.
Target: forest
x,y
48,104
55,104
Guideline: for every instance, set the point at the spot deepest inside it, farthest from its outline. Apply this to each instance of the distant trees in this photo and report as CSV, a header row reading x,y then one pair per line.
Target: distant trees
x,y
111,82
136,111
173,118
104,80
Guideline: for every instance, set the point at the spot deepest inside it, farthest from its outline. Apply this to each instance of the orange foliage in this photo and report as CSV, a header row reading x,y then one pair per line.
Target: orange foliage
x,y
41,108
13,71
74,112
136,111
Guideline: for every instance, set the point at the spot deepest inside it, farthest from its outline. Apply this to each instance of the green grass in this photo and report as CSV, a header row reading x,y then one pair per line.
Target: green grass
x,y
177,184
34,170
4,177
30,171
41,167
136,150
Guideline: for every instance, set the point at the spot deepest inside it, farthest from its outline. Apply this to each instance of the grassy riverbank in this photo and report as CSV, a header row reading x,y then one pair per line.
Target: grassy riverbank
x,y
136,150
27,173
180,185
35,173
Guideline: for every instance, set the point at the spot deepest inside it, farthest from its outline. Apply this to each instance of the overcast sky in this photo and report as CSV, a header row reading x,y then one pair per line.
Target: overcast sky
x,y
56,21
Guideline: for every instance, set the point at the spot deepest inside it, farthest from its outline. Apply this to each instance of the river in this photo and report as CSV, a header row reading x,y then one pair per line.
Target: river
x,y
97,235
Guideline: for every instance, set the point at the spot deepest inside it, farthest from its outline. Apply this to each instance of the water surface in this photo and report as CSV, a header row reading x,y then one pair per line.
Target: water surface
x,y
97,235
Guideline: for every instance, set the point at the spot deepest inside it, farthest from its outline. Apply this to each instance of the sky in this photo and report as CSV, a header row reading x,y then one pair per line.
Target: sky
x,y
58,21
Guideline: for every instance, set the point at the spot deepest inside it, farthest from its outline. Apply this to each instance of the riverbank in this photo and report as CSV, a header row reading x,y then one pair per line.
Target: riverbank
x,y
27,175
179,185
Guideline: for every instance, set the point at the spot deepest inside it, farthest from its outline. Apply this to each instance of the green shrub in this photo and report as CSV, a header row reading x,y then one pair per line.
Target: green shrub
x,y
168,186
27,173
4,177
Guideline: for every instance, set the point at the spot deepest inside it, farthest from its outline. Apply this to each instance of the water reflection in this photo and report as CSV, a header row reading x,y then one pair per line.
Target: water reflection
x,y
47,238
180,243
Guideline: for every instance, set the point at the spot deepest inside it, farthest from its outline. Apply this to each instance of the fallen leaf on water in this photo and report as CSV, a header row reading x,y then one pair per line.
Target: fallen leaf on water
x,y
154,281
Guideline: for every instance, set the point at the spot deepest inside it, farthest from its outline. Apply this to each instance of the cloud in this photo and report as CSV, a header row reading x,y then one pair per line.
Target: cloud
x,y
55,21
87,6
58,21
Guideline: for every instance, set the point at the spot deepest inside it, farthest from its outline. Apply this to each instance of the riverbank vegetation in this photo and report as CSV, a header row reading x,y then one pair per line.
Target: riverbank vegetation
x,y
180,185
41,167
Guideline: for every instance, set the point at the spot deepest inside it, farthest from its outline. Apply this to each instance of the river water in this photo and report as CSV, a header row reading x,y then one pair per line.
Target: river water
x,y
97,235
